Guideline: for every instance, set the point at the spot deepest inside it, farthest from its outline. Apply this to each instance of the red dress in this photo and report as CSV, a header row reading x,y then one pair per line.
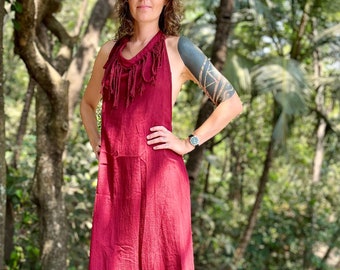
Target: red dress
x,y
142,218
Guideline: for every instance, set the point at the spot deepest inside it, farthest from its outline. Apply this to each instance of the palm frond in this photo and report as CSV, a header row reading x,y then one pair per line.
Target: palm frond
x,y
281,129
286,80
237,70
329,36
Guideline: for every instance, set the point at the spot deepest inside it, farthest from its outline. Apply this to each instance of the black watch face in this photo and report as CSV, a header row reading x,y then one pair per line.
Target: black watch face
x,y
194,140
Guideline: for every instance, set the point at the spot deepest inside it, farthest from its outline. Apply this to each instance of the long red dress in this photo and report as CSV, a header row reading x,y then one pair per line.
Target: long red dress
x,y
142,216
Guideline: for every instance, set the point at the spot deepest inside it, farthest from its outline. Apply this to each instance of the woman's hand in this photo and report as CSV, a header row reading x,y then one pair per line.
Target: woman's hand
x,y
162,138
96,148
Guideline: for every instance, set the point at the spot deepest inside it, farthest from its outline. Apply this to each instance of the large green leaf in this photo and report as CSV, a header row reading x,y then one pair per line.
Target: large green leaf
x,y
286,80
330,36
237,70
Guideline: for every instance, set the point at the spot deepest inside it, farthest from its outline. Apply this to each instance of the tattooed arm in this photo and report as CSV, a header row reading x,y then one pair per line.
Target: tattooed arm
x,y
187,62
215,86
213,83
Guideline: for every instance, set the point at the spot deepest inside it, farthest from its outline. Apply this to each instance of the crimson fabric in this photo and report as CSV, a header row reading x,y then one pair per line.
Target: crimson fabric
x,y
141,216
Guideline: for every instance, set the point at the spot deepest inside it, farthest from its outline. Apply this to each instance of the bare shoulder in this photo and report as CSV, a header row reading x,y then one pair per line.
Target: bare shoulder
x,y
172,42
107,46
175,58
105,50
98,70
172,48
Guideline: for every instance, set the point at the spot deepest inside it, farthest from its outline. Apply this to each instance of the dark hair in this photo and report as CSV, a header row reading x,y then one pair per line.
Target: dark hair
x,y
169,21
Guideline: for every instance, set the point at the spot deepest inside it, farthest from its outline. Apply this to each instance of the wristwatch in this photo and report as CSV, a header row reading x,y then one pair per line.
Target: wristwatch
x,y
194,141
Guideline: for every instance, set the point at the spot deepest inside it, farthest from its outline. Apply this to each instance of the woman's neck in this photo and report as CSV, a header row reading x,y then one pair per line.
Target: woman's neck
x,y
144,33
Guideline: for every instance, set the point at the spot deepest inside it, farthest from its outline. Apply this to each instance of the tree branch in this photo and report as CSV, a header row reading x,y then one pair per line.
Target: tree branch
x,y
87,49
330,126
26,47
59,31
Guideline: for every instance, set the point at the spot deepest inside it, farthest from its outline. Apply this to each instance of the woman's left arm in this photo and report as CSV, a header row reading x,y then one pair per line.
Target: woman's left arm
x,y
223,114
215,86
228,104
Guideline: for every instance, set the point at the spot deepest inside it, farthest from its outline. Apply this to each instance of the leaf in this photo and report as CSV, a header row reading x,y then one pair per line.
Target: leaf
x,y
330,35
17,7
16,25
281,129
286,80
237,70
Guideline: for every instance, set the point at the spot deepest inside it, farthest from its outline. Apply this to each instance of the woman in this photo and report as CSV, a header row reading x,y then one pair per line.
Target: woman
x,y
141,215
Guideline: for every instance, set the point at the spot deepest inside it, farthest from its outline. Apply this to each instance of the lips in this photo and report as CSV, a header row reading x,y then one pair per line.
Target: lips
x,y
143,7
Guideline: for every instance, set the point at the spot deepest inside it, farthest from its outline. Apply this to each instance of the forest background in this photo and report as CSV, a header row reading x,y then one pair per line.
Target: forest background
x,y
265,191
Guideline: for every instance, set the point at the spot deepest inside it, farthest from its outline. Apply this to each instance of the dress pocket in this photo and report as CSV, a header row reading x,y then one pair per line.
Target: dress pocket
x,y
105,174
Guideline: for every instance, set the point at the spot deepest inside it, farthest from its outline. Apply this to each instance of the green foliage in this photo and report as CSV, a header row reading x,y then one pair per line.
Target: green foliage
x,y
16,7
281,233
11,7
26,248
80,182
288,84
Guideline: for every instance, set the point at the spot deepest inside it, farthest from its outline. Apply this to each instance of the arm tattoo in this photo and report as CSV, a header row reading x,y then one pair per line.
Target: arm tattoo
x,y
213,83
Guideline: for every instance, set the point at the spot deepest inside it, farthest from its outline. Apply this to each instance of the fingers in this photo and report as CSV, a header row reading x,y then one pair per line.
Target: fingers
x,y
159,133
157,138
160,137
96,148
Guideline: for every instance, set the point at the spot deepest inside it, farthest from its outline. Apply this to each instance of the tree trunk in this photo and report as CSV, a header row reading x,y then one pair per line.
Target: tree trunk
x,y
238,163
23,122
332,245
296,47
246,235
2,146
87,49
9,245
237,172
52,125
218,58
9,229
32,45
318,159
48,181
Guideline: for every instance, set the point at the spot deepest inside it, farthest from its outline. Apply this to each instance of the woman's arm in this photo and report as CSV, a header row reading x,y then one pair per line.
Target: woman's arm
x,y
198,68
92,97
215,86
203,72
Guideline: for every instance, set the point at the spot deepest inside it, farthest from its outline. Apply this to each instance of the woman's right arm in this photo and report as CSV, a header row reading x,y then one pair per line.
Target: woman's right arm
x,y
92,97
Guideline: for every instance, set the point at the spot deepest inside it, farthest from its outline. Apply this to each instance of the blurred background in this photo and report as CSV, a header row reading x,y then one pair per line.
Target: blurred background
x,y
265,191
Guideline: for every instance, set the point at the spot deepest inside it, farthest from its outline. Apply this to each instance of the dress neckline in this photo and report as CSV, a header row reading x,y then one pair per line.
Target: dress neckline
x,y
142,52
136,73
